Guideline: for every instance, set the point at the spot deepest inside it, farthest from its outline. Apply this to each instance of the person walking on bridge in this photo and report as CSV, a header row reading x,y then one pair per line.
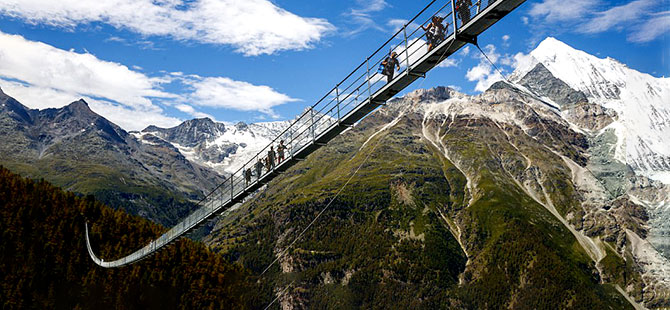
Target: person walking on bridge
x,y
280,151
271,158
463,9
435,32
390,64
259,168
247,176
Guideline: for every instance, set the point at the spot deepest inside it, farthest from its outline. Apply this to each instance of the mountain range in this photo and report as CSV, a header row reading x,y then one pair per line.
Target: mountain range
x,y
79,150
546,191
221,147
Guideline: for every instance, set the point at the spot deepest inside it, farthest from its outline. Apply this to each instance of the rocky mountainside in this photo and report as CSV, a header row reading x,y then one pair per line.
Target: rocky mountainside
x,y
222,147
641,102
79,150
626,116
458,202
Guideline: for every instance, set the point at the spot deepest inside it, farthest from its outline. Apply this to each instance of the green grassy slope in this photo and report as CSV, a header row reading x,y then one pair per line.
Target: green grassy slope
x,y
389,241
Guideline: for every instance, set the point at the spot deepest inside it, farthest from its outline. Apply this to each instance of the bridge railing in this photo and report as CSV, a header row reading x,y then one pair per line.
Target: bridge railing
x,y
409,42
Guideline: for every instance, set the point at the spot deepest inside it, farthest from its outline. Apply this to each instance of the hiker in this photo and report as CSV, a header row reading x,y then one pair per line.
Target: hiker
x,y
259,168
280,151
435,32
247,176
271,158
390,64
463,9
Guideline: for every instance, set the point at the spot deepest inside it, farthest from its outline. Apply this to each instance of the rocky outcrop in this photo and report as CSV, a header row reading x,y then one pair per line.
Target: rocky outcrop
x,y
545,84
189,133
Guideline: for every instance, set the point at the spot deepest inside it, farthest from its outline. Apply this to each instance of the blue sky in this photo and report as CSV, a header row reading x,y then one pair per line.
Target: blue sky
x,y
142,62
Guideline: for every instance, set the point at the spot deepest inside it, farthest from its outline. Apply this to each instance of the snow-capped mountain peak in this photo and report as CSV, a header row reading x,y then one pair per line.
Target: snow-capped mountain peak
x,y
222,147
641,101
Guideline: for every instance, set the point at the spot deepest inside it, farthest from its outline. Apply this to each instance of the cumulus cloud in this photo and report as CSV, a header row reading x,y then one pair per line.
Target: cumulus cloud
x,y
193,112
45,66
449,62
42,76
465,51
220,92
36,97
417,48
252,27
483,73
129,118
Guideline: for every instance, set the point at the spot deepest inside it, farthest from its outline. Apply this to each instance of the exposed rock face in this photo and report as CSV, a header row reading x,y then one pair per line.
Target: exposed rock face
x,y
543,83
574,104
588,116
78,149
190,133
218,146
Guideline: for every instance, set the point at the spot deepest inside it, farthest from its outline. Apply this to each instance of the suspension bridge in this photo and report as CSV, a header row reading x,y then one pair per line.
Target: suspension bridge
x,y
356,96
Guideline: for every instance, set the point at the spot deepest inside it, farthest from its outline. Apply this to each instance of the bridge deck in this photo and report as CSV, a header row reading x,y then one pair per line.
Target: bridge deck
x,y
360,93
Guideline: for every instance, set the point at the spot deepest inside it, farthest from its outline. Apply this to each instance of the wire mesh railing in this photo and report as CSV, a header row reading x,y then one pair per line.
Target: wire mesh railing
x,y
410,43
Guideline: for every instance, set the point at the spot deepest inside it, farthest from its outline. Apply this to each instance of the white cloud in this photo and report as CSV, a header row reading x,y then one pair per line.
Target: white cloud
x,y
505,38
617,16
449,62
417,48
642,19
42,76
36,97
193,112
562,10
455,87
361,16
220,92
465,51
397,24
129,118
45,66
523,62
252,27
484,73
371,5
652,28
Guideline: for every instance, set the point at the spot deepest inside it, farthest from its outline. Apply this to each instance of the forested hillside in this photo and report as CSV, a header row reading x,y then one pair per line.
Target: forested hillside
x,y
45,265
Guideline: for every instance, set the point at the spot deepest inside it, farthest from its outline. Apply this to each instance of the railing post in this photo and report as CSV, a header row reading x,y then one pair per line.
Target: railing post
x,y
290,139
404,31
337,99
367,62
312,127
453,15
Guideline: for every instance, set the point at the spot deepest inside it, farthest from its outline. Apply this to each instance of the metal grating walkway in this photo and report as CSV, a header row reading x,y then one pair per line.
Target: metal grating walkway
x,y
360,93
